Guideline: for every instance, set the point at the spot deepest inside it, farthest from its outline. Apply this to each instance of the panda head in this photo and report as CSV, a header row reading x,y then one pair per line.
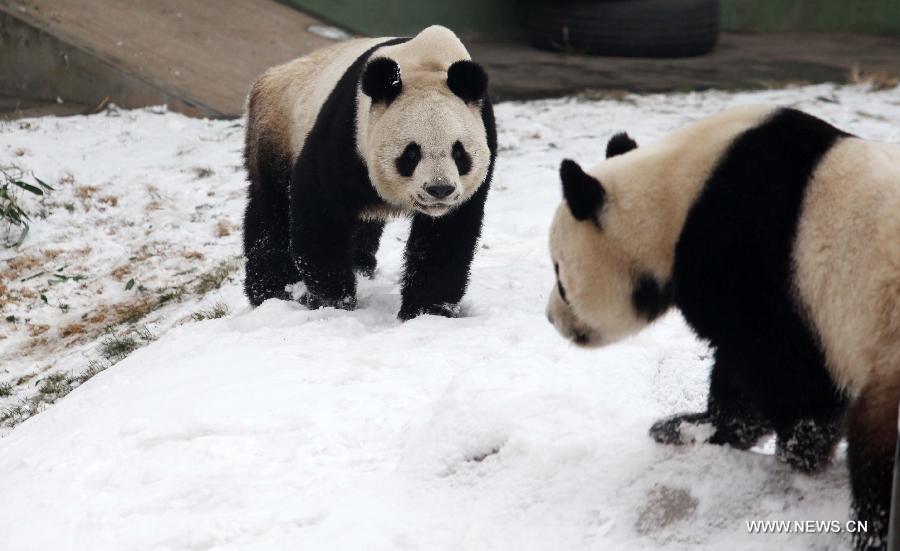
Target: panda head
x,y
422,134
602,291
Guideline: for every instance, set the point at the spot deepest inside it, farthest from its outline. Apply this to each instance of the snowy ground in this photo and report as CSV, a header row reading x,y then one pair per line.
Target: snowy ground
x,y
280,428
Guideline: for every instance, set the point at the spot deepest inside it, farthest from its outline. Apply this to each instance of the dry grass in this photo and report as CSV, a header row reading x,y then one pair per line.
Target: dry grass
x,y
213,279
223,228
72,329
18,266
16,296
155,202
878,80
85,192
599,95
218,310
30,264
67,179
119,273
110,200
37,329
142,254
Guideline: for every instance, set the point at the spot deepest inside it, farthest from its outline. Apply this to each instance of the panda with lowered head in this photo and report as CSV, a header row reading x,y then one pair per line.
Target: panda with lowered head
x,y
355,133
778,237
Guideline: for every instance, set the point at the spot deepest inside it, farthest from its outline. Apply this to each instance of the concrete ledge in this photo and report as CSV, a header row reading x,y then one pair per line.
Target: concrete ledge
x,y
51,69
12,108
197,57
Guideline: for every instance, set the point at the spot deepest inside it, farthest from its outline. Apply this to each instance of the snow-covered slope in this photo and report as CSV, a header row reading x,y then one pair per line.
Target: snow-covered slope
x,y
280,428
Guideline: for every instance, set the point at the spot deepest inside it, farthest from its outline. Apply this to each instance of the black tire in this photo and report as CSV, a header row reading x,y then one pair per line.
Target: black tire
x,y
626,28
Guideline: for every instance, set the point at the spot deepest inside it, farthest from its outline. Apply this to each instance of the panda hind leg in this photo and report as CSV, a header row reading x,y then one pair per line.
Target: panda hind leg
x,y
269,267
366,239
730,417
872,439
809,413
808,444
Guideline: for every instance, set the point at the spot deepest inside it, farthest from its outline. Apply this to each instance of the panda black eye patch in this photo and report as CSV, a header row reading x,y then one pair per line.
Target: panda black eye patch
x,y
408,160
562,291
461,158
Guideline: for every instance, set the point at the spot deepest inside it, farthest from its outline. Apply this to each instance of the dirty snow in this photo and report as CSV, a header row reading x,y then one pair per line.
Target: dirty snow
x,y
280,428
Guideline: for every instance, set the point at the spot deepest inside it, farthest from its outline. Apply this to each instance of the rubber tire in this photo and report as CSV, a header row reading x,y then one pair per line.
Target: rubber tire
x,y
625,28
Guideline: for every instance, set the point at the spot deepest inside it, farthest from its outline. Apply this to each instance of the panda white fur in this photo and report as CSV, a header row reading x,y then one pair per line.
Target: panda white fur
x,y
349,135
778,237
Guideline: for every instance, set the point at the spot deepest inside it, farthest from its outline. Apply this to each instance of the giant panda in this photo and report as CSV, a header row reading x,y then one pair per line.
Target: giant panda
x,y
777,236
350,135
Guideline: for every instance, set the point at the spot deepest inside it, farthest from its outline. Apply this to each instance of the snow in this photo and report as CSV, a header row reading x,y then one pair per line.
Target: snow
x,y
139,195
281,428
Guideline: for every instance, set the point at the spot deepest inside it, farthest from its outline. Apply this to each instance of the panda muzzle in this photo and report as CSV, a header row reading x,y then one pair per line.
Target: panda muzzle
x,y
439,188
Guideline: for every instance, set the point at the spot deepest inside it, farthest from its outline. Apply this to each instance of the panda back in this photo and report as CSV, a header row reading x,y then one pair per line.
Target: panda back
x,y
847,259
733,271
286,100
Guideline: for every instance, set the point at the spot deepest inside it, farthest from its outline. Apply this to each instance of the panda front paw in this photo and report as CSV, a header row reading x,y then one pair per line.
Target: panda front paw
x,y
711,427
445,310
314,302
683,429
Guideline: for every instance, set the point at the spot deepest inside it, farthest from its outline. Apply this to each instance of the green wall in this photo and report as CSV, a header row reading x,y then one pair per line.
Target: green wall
x,y
504,17
864,16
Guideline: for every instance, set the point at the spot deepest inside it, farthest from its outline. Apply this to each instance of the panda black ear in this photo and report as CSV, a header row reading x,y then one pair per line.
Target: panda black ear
x,y
467,80
583,193
381,80
619,144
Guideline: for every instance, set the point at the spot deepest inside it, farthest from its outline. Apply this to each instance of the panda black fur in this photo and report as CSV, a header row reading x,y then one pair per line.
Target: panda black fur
x,y
350,135
778,237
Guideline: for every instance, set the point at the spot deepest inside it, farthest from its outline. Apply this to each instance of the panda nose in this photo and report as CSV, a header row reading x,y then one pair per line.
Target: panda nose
x,y
439,189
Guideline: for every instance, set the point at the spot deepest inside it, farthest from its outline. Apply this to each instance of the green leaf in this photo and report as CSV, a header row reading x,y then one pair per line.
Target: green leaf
x,y
44,298
29,187
129,285
21,237
41,183
12,215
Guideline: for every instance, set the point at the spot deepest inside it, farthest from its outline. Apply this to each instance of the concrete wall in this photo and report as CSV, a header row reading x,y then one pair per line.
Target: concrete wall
x,y
51,70
505,17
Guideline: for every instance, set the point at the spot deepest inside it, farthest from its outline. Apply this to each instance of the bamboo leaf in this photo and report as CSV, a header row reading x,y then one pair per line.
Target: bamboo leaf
x,y
28,187
21,237
42,183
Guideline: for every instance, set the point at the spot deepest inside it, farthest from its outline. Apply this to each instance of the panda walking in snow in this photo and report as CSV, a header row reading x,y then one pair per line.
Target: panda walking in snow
x,y
778,237
342,139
